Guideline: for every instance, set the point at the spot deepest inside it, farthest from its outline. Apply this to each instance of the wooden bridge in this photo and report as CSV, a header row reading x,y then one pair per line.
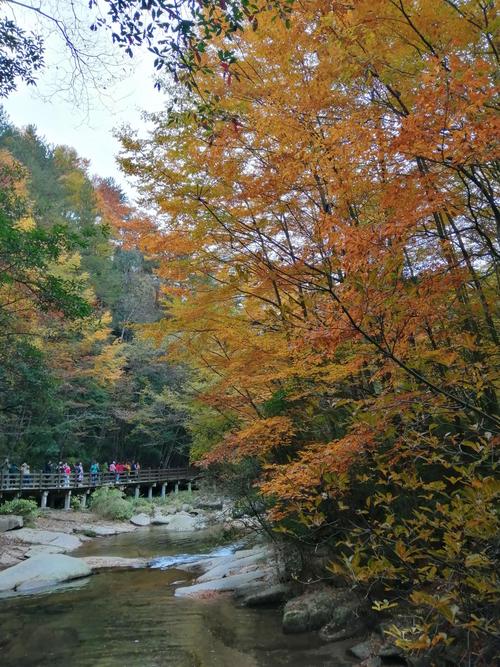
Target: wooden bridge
x,y
40,484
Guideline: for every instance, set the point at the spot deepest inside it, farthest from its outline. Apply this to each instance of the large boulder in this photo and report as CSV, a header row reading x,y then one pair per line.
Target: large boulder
x,y
182,522
316,608
10,522
52,538
41,572
270,595
141,520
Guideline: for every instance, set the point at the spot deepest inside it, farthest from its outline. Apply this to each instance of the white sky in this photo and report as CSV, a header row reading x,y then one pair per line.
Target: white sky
x,y
86,123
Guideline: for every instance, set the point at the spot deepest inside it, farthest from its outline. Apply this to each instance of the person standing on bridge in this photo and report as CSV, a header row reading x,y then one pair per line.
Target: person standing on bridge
x,y
26,473
94,473
79,473
66,473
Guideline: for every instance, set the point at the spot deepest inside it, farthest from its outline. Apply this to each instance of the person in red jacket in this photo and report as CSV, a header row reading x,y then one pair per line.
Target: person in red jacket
x,y
120,468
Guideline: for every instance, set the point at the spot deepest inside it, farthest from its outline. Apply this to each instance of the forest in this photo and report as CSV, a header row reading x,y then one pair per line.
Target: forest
x,y
304,301
76,382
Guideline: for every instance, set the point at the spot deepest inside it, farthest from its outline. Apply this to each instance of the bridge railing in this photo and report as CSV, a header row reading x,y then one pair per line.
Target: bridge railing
x,y
44,481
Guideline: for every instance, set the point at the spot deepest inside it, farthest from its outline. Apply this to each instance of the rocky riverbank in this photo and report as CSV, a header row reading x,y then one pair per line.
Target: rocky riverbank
x,y
254,577
28,554
38,557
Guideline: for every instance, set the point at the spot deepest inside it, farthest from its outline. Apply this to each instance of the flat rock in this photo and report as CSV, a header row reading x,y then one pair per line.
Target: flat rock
x,y
10,522
97,563
232,565
39,549
103,529
161,519
202,565
34,536
231,583
42,571
141,520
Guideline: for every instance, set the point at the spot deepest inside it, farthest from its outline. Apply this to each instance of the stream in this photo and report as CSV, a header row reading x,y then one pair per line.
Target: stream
x,y
132,619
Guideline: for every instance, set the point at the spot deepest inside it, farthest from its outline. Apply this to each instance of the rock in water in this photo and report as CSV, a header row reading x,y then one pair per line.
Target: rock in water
x,y
269,595
140,520
42,571
10,522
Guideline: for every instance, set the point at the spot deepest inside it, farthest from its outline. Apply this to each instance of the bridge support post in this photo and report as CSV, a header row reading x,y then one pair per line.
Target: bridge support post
x,y
67,500
43,501
83,501
150,492
163,489
190,488
137,491
176,488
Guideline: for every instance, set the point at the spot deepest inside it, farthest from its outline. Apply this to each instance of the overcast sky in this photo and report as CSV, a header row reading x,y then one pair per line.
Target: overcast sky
x,y
86,115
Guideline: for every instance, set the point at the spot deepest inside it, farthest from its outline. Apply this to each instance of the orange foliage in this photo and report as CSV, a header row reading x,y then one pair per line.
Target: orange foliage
x,y
326,230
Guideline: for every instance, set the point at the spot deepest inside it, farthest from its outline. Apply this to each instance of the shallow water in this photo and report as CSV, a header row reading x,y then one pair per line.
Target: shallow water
x,y
132,619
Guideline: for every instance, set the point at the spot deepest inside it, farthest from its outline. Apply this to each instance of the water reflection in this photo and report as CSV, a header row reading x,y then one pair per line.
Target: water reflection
x,y
131,619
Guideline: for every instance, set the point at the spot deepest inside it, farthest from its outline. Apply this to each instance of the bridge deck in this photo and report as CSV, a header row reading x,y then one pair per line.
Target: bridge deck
x,y
40,481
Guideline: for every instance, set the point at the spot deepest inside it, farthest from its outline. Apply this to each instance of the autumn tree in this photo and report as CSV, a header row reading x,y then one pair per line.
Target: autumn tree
x,y
327,238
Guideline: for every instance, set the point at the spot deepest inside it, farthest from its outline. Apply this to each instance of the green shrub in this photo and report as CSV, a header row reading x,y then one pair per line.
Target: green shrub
x,y
26,507
76,503
174,501
111,504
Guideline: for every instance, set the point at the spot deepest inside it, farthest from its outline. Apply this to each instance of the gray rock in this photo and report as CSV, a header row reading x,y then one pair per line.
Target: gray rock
x,y
42,571
52,538
160,520
39,549
141,520
186,508
234,582
233,565
345,622
315,608
367,649
267,596
97,563
362,651
202,565
182,522
103,529
10,522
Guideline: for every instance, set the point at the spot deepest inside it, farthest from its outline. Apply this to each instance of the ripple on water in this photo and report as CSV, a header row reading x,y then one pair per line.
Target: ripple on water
x,y
132,619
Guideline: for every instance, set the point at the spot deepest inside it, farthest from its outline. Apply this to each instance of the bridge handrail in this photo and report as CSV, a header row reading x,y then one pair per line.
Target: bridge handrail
x,y
39,481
